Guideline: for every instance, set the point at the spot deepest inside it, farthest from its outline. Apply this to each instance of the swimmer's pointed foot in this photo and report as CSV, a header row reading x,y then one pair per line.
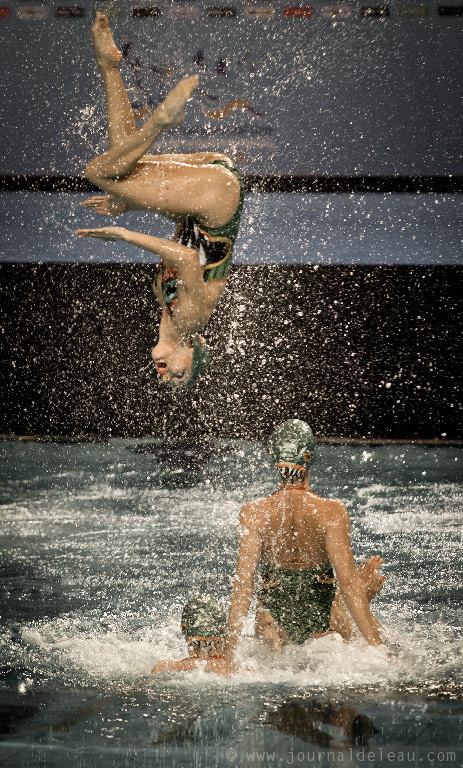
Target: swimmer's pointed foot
x,y
106,51
170,111
372,580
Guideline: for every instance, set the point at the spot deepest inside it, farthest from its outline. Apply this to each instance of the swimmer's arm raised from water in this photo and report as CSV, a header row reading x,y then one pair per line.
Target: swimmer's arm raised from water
x,y
340,554
243,585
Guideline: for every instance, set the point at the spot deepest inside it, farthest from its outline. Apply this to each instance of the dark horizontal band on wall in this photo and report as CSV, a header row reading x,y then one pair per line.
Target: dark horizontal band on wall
x,y
366,441
313,184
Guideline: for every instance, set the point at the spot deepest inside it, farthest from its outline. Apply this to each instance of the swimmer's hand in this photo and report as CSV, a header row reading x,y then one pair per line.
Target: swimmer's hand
x,y
218,666
104,233
107,205
221,667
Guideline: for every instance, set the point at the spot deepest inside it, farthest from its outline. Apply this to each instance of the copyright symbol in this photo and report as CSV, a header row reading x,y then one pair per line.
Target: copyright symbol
x,y
230,754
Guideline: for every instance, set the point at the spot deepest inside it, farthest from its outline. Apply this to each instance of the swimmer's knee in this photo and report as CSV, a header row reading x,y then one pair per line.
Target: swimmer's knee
x,y
220,195
223,158
91,172
95,173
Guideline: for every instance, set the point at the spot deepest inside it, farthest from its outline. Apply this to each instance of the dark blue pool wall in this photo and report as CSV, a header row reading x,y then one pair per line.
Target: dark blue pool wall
x,y
376,92
358,351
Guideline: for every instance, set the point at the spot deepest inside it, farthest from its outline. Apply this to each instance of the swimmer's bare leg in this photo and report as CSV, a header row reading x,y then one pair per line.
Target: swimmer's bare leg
x,y
167,185
120,117
372,581
121,121
173,185
122,157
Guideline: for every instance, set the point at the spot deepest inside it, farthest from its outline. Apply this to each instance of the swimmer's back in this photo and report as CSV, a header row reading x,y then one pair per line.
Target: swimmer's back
x,y
293,525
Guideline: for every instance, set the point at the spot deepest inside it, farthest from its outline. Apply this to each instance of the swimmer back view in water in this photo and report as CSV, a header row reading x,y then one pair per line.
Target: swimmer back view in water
x,y
295,537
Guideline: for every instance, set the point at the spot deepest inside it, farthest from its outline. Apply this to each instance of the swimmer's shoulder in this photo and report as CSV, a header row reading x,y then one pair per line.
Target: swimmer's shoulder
x,y
334,513
254,512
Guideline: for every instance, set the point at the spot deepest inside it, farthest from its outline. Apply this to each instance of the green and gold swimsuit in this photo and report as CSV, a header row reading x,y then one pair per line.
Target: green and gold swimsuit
x,y
300,601
214,245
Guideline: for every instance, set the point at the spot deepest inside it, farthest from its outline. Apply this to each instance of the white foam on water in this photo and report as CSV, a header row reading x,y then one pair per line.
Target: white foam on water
x,y
368,493
87,653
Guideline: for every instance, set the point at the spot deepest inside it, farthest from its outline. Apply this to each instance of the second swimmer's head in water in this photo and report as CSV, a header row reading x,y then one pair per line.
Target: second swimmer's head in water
x,y
291,447
203,626
182,365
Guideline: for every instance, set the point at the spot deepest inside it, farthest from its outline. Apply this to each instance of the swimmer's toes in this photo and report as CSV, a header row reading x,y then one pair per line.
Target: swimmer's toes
x,y
193,81
106,50
171,109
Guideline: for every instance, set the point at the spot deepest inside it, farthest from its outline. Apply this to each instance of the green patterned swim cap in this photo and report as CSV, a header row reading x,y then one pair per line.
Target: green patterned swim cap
x,y
204,617
292,443
201,360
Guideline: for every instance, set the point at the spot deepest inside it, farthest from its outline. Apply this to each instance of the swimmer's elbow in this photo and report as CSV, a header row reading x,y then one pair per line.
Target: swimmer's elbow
x,y
159,667
187,256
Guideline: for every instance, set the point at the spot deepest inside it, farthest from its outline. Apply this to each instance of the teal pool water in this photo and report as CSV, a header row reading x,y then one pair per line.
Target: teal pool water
x,y
102,543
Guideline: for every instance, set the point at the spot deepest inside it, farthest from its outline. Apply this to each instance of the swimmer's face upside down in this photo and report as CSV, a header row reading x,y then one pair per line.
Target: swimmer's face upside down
x,y
202,188
173,363
181,355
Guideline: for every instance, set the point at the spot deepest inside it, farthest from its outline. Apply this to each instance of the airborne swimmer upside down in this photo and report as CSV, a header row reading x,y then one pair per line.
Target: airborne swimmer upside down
x,y
202,192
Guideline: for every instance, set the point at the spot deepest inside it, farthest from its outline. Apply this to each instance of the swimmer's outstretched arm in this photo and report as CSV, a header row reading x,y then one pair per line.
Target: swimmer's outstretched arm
x,y
172,253
340,554
182,665
243,585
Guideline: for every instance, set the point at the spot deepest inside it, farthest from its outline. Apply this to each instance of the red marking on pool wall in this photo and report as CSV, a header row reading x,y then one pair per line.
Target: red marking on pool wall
x,y
298,12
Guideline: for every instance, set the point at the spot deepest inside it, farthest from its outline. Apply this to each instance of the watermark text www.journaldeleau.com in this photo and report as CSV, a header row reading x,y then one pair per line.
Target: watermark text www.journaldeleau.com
x,y
366,756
